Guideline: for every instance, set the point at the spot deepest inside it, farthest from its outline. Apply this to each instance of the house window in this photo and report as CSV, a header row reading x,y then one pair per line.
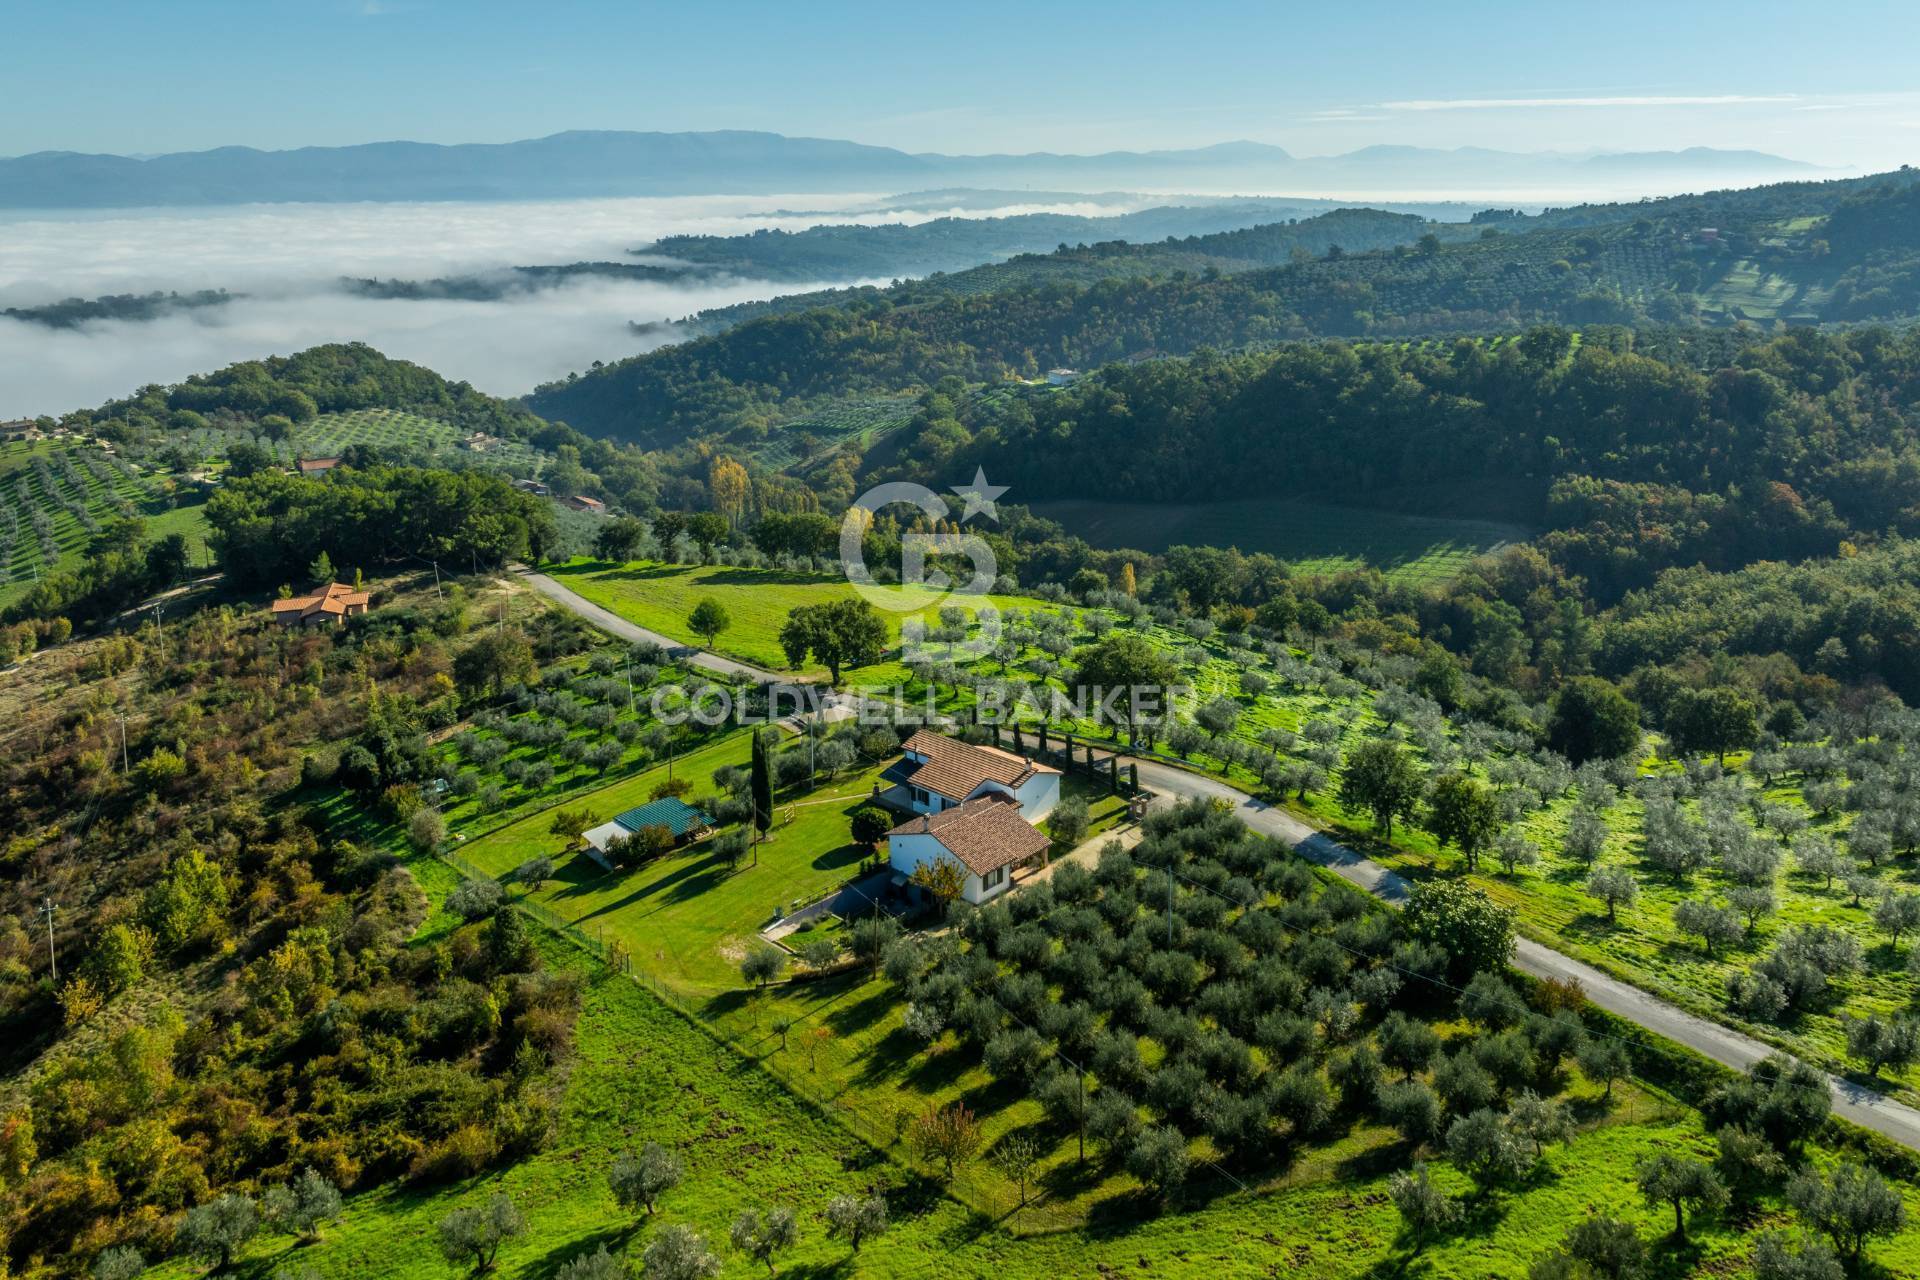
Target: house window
x,y
993,878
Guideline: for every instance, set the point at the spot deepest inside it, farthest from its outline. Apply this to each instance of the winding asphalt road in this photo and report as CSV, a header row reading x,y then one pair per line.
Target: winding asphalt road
x,y
1730,1048
613,624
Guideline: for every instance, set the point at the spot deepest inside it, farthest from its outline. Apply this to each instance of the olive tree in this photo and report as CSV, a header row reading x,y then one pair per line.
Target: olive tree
x,y
473,1234
639,1179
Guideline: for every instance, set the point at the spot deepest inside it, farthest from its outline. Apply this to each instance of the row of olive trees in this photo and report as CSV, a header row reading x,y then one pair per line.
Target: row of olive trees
x,y
473,1235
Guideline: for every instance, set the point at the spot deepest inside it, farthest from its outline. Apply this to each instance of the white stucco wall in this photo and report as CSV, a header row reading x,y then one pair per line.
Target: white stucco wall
x,y
906,853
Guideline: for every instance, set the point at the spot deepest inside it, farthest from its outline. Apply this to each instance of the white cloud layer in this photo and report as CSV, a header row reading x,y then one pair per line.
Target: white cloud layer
x,y
289,258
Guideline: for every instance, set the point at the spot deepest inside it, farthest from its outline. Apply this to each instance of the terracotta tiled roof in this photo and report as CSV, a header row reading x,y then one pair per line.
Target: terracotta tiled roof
x,y
334,601
985,834
954,769
310,465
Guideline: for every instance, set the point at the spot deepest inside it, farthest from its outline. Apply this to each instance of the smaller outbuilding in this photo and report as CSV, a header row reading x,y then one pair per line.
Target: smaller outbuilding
x,y
681,821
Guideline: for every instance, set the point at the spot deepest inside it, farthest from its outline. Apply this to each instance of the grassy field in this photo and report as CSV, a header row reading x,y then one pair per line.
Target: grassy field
x,y
800,1092
660,596
54,496
687,917
644,1072
1313,537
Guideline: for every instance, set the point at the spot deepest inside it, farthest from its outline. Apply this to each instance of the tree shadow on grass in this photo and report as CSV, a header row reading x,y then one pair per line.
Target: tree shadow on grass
x,y
851,1019
1589,925
1399,1265
844,855
994,1096
1591,1109
1377,1162
1073,1177
1668,1256
613,1239
679,886
1481,1213
897,1057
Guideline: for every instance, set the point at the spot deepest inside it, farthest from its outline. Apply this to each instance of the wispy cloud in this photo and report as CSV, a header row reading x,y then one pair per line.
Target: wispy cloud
x,y
1534,104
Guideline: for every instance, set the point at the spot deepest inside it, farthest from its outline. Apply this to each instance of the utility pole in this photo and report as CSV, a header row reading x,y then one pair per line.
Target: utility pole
x,y
1080,1079
53,961
124,766
436,580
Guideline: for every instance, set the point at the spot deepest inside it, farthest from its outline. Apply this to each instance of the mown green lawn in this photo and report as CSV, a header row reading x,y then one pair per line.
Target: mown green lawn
x,y
660,596
687,918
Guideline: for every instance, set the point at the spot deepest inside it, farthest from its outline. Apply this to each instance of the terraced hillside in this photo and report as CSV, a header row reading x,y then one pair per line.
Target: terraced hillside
x,y
390,432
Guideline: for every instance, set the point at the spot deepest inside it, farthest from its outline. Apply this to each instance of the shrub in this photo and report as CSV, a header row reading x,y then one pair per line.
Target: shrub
x,y
856,1219
213,1232
475,899
678,1253
1850,1207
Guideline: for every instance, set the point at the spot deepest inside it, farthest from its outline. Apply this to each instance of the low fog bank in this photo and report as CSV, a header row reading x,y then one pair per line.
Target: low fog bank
x,y
46,258
288,261
505,347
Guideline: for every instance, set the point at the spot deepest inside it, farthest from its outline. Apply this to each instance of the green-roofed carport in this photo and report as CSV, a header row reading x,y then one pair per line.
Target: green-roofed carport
x,y
671,812
678,818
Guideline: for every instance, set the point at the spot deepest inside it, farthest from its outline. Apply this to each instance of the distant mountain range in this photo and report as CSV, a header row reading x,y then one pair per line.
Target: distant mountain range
x,y
582,163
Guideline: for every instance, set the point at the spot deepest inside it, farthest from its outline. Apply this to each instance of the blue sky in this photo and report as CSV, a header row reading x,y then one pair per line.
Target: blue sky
x,y
1836,83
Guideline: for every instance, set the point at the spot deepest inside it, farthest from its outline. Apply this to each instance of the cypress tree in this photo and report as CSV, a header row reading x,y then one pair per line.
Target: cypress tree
x,y
762,787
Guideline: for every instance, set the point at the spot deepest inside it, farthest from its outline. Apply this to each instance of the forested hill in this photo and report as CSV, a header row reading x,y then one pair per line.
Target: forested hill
x,y
1081,263
1088,307
855,250
336,378
1634,457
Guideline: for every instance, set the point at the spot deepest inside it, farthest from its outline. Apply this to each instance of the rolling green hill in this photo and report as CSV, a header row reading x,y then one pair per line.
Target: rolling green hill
x,y
1771,258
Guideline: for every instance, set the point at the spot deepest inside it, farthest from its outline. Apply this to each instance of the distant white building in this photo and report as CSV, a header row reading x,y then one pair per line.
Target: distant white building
x,y
1062,377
